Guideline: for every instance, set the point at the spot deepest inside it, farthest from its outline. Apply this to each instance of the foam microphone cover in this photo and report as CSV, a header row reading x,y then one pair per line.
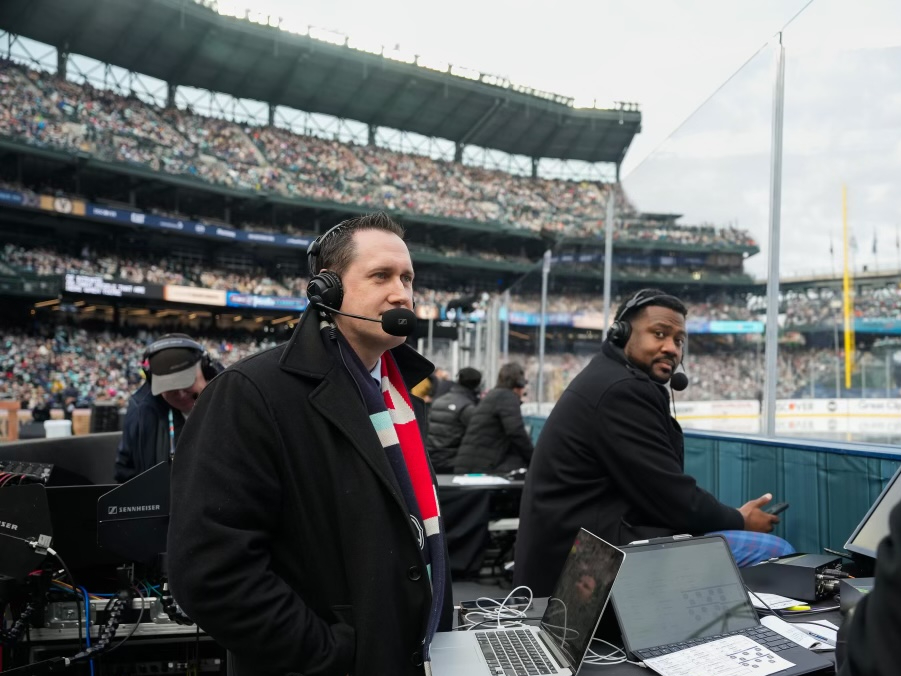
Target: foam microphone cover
x,y
399,322
678,382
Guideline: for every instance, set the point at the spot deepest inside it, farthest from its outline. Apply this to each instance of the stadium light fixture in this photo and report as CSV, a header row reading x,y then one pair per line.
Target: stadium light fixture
x,y
467,73
257,17
235,8
230,8
433,64
398,54
364,45
324,35
294,26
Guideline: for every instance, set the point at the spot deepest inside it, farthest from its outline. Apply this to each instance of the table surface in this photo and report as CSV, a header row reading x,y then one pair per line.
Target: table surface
x,y
624,669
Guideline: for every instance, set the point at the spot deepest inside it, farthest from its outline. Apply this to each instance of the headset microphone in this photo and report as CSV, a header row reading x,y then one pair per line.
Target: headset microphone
x,y
678,381
398,321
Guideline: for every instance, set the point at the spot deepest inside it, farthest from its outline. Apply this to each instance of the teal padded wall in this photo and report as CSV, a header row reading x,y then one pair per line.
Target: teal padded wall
x,y
829,485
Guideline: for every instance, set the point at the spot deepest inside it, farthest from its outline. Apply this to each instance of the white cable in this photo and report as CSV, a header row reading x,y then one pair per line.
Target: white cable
x,y
497,611
618,656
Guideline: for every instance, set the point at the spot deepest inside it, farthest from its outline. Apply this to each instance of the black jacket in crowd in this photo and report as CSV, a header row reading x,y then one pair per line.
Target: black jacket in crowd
x,y
496,439
145,433
449,416
290,542
870,635
609,459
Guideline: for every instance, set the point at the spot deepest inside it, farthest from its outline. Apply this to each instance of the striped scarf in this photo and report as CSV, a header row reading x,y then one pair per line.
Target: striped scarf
x,y
392,416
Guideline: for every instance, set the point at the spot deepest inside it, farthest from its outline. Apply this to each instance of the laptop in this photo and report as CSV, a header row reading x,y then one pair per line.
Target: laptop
x,y
678,593
560,643
874,526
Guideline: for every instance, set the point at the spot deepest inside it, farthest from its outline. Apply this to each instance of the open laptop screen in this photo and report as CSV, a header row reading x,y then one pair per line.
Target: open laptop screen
x,y
874,526
678,591
583,588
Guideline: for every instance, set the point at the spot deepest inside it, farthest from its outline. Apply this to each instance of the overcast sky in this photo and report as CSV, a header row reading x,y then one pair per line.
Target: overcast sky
x,y
842,115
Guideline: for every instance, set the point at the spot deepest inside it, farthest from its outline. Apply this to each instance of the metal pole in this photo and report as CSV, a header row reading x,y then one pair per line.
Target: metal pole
x,y
608,255
772,286
888,375
505,340
545,271
478,361
838,370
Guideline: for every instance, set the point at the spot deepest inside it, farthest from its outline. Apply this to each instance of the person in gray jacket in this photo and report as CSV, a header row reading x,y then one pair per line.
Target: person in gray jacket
x,y
496,439
449,417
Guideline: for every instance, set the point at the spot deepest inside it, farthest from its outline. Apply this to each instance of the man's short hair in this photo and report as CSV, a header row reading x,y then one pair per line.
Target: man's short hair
x,y
511,376
337,251
648,298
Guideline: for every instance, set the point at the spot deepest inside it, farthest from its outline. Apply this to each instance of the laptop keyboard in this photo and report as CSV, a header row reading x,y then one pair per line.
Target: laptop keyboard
x,y
762,635
514,653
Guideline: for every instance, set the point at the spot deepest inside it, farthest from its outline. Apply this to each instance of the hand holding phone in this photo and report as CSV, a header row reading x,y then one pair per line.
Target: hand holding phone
x,y
776,508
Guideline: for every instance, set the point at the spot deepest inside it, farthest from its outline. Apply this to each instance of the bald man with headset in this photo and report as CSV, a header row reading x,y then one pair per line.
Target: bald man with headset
x,y
610,457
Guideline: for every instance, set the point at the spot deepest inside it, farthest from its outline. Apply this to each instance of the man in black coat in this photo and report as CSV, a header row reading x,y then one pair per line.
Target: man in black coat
x,y
449,416
868,639
496,439
292,542
610,457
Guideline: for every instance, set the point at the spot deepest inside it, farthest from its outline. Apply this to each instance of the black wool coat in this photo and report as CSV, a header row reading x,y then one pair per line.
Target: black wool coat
x,y
289,540
496,439
449,416
610,458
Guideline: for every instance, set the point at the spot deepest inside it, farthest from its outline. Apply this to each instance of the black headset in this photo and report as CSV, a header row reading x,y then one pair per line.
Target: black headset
x,y
621,330
207,367
324,288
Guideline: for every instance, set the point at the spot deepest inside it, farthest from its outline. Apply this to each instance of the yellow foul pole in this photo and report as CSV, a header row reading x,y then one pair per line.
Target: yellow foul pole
x,y
848,303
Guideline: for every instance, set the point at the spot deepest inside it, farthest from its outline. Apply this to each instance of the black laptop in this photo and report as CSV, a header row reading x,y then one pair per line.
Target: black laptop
x,y
676,594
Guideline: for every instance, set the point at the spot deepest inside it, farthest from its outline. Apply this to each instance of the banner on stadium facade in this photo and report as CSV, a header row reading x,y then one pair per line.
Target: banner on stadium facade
x,y
94,285
235,299
63,205
864,408
194,295
78,207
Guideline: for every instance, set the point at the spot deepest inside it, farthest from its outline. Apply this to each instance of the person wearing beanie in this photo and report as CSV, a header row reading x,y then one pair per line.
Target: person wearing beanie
x,y
448,418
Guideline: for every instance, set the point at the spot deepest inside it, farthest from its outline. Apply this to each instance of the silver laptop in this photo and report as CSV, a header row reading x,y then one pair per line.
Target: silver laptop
x,y
560,643
874,526
675,594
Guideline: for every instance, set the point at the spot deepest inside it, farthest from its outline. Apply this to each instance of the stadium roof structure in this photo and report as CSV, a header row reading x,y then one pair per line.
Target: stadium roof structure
x,y
185,43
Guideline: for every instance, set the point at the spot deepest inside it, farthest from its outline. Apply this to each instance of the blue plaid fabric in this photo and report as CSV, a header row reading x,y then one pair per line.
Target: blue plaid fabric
x,y
749,547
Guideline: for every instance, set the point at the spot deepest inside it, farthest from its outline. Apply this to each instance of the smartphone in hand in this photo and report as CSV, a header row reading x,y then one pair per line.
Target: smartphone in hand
x,y
776,508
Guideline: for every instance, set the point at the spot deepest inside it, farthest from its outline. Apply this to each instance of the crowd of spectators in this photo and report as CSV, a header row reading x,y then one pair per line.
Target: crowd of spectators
x,y
47,110
105,365
817,307
251,279
88,366
714,376
800,309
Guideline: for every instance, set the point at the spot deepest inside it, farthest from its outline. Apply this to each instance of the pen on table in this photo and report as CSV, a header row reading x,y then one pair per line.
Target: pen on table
x,y
818,637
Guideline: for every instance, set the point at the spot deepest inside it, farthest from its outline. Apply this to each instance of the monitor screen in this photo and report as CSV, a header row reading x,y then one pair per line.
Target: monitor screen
x,y
583,589
874,526
675,592
73,512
